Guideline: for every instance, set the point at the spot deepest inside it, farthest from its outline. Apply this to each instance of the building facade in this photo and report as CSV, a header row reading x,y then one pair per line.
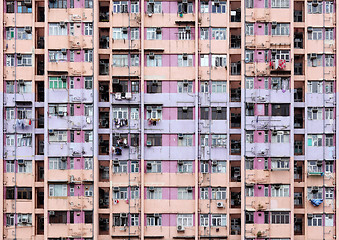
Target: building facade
x,y
168,119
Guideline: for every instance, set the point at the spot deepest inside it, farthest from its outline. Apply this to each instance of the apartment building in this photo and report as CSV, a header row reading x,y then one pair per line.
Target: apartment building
x,y
168,119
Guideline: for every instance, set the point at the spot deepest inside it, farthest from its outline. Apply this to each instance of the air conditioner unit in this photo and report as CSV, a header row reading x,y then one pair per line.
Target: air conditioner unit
x,y
319,163
28,29
62,24
28,2
24,220
64,159
274,51
117,96
27,135
124,8
116,163
116,189
180,162
184,56
274,24
149,165
149,108
159,108
185,1
314,3
21,82
309,215
188,29
189,189
151,55
18,55
315,189
313,55
128,95
21,162
180,136
220,204
156,214
151,1
63,78
149,143
158,30
185,109
180,228
277,186
151,189
123,215
51,213
61,113
124,30
216,3
309,29
214,163
219,109
185,82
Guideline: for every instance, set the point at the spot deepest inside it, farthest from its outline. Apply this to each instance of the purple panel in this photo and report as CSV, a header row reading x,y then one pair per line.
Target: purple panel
x,y
259,83
165,7
173,193
173,166
79,56
165,193
259,218
173,7
173,219
78,219
78,162
78,4
78,109
78,83
78,190
259,136
259,163
259,56
259,4
259,192
173,140
165,86
173,87
165,166
165,219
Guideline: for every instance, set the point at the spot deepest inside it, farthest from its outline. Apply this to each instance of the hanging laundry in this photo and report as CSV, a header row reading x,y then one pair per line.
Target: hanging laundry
x,y
281,63
118,151
316,202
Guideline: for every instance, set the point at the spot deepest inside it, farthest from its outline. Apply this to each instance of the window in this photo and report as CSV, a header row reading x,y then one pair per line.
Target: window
x,y
25,60
281,110
315,220
120,113
204,167
329,34
219,140
154,139
204,60
23,8
219,193
24,140
10,219
280,217
154,7
314,113
249,29
185,194
314,140
314,8
280,163
58,190
120,167
88,163
58,136
88,82
154,60
329,60
88,29
221,8
204,220
314,193
88,110
281,29
120,194
249,217
329,140
56,29
185,166
185,7
281,137
185,113
88,56
218,166
280,3
219,220
314,167
10,60
184,34
249,137
204,114
329,220
120,60
135,86
57,109
315,87
10,87
282,54
280,191
329,167
134,33
185,60
25,88
249,191
134,167
185,140
134,7
204,87
153,167
204,33
10,140
204,7
219,87
120,219
329,193
315,34
154,193
219,61
57,163
153,219
329,87
25,167
315,60
249,83
57,83
134,219
24,219
249,56
88,136
249,3
204,193
134,192
120,33
249,164
329,7
218,33
88,3
154,112
22,34
58,4
153,33
185,220
10,166
185,87
24,193
10,6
